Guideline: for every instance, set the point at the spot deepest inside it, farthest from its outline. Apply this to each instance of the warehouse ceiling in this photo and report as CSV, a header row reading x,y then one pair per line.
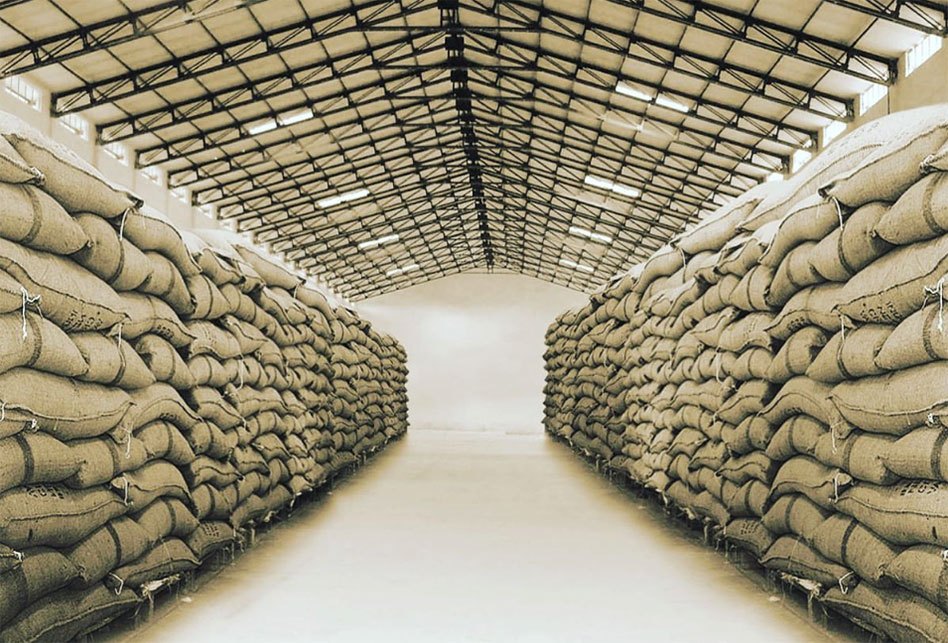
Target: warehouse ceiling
x,y
380,143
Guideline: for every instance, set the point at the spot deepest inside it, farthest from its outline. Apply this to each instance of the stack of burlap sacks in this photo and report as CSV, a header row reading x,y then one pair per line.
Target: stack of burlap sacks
x,y
160,394
785,375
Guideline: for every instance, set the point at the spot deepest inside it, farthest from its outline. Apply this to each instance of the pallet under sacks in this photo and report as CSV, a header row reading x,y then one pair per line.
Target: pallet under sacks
x,y
779,374
161,395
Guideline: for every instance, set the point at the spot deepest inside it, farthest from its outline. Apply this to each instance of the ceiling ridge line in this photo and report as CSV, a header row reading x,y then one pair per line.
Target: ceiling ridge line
x,y
454,44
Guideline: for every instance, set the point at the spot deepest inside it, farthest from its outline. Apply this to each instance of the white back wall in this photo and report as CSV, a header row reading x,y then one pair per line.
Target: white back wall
x,y
475,348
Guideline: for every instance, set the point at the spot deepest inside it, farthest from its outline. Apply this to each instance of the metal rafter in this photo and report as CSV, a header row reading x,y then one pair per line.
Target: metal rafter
x,y
227,55
780,39
921,15
111,32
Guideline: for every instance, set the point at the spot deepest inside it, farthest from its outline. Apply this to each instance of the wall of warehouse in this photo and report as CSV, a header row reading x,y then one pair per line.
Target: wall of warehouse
x,y
155,196
158,198
927,85
475,348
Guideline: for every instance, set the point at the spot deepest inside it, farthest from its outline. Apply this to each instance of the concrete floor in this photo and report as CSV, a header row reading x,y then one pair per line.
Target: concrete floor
x,y
451,537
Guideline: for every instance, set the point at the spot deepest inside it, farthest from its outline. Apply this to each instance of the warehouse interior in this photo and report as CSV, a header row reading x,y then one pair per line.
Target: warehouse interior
x,y
467,320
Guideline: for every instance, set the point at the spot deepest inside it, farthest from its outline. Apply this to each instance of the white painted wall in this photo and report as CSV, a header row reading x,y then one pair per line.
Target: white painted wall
x,y
475,348
927,85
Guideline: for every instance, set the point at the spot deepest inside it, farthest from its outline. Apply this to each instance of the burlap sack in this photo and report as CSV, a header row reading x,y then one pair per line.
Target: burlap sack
x,y
166,517
809,220
849,249
213,340
209,301
67,410
796,355
852,151
67,614
205,470
894,403
53,515
822,484
14,169
793,274
743,333
862,455
715,230
796,515
42,572
73,182
29,340
34,219
210,405
164,441
213,263
850,354
208,371
751,293
164,362
147,314
271,273
843,540
911,137
921,213
812,306
249,338
922,570
32,458
165,282
119,541
893,614
792,556
897,284
211,503
160,402
752,466
69,296
210,537
163,561
102,459
151,233
111,258
910,512
801,395
157,479
749,534
920,338
920,454
747,400
112,362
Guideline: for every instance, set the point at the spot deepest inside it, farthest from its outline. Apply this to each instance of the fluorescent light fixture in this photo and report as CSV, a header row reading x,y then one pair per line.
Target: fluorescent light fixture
x,y
345,197
378,242
576,266
625,190
832,131
606,184
632,92
589,234
664,101
398,271
261,126
300,115
596,182
776,176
